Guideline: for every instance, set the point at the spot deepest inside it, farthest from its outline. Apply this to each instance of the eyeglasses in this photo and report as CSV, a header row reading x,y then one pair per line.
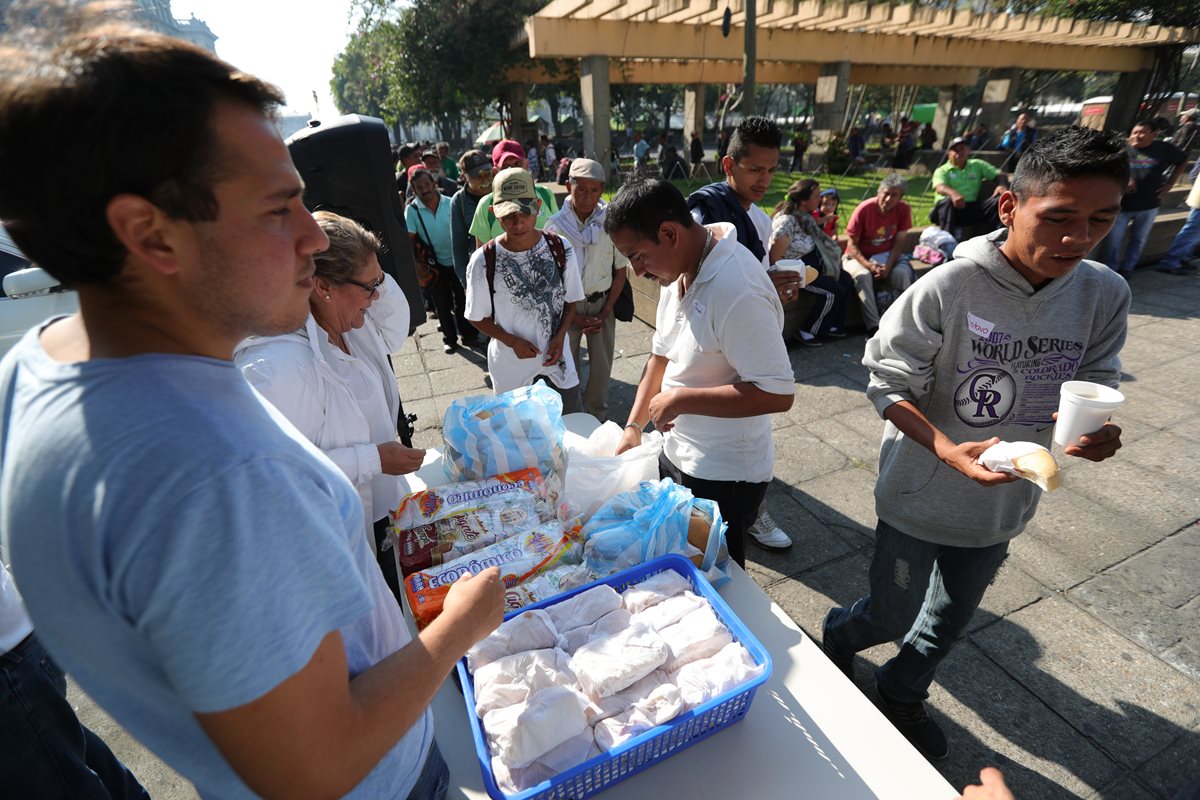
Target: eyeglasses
x,y
372,289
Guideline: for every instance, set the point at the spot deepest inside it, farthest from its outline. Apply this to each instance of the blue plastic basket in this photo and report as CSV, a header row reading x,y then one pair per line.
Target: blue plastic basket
x,y
643,751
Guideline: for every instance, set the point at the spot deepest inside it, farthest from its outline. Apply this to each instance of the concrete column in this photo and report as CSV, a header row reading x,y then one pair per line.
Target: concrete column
x,y
1123,111
597,108
829,111
693,113
999,94
945,120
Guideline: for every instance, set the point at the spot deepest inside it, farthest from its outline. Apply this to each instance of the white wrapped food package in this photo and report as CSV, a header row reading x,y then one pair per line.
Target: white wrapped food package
x,y
523,732
655,590
606,666
698,635
669,611
605,707
532,630
1025,460
610,623
584,608
513,679
662,705
570,753
701,681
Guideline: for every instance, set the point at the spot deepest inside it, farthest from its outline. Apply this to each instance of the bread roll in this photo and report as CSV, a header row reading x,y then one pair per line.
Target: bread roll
x,y
698,532
1039,467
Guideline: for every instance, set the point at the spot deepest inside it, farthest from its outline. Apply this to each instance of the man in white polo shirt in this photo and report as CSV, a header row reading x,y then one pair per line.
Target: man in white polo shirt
x,y
718,366
581,222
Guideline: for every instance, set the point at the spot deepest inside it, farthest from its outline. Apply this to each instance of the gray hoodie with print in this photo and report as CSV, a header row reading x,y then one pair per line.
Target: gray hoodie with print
x,y
982,354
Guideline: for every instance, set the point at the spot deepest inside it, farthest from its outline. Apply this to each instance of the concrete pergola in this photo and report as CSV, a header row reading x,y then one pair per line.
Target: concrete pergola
x,y
832,43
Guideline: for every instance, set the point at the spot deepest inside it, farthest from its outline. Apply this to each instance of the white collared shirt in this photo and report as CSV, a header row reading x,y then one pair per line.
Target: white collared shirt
x,y
727,329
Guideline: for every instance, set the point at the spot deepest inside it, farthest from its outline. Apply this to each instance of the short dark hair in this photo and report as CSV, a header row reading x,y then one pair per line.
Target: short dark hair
x,y
758,131
1073,152
146,103
642,206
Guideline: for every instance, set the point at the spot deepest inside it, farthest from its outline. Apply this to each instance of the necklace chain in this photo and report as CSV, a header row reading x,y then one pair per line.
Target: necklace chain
x,y
708,245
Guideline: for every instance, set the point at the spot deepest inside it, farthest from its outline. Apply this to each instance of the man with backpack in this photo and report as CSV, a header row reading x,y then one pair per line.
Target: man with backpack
x,y
522,288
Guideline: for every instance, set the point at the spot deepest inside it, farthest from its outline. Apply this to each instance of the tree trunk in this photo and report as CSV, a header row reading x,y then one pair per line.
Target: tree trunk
x,y
552,100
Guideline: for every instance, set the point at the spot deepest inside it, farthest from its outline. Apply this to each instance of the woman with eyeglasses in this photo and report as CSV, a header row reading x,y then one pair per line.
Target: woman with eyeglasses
x,y
332,378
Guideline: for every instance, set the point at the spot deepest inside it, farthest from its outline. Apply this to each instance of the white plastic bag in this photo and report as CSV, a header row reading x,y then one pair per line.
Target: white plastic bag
x,y
594,474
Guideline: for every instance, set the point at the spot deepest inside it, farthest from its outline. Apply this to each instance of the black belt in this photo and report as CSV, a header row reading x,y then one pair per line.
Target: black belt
x,y
594,296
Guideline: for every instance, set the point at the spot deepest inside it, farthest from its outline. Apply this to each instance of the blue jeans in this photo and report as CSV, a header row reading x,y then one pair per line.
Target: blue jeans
x,y
1185,242
434,781
926,593
44,750
1139,231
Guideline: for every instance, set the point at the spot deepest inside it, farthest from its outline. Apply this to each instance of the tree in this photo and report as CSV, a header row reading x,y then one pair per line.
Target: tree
x,y
364,73
449,58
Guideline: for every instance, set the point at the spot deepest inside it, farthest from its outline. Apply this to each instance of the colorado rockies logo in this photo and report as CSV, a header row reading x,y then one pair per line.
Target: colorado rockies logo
x,y
985,397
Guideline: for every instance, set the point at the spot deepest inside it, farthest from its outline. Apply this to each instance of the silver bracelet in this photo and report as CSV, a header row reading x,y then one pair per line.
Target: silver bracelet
x,y
634,425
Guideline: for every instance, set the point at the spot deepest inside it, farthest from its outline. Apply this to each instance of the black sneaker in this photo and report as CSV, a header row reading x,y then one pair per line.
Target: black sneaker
x,y
912,721
843,662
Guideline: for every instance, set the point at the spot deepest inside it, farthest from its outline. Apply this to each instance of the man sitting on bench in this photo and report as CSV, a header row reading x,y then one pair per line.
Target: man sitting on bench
x,y
960,180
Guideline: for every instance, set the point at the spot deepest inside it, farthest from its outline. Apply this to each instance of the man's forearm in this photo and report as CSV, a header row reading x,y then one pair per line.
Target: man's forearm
x,y
568,316
916,426
648,387
492,330
731,401
853,252
897,249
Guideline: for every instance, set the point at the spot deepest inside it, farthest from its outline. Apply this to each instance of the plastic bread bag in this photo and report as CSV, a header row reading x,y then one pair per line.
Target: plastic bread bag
x,y
636,526
494,434
1025,460
439,525
520,559
595,474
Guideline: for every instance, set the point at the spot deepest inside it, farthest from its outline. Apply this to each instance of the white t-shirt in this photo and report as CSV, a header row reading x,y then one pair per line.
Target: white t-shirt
x,y
15,624
727,329
591,245
529,301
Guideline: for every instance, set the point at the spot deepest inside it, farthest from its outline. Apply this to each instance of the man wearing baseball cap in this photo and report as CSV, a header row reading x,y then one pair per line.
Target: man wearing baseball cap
x,y
522,288
959,181
477,172
602,268
508,153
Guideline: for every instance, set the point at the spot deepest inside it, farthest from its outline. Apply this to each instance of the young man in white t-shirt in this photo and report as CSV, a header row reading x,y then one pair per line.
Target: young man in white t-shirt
x,y
749,166
718,366
527,302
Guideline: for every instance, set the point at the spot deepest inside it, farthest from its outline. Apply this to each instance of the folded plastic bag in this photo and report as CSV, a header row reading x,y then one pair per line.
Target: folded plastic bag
x,y
521,733
494,434
611,623
636,526
701,681
584,608
567,755
520,558
606,666
515,678
662,705
698,635
532,630
654,590
438,525
595,473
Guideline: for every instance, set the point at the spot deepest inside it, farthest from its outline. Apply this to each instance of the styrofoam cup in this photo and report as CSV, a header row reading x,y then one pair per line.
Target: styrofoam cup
x,y
1083,408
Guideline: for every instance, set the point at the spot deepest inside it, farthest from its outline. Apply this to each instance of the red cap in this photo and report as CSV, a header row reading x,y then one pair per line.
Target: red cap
x,y
415,168
503,150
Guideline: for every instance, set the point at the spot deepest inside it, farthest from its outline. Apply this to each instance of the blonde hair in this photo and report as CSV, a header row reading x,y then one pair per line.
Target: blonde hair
x,y
350,245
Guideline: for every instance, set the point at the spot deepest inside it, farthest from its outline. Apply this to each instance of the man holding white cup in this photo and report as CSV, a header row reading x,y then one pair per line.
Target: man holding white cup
x,y
973,354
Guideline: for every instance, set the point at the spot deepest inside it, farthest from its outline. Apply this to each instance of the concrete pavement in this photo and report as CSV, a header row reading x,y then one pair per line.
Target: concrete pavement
x,y
1081,674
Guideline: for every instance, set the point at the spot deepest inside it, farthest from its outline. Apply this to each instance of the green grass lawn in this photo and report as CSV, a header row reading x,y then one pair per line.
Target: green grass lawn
x,y
853,189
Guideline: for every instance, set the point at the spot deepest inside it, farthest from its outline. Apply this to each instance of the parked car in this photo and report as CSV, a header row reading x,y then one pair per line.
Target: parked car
x,y
30,295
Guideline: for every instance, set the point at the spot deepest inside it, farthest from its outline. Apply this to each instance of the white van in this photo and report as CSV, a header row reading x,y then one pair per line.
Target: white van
x,y
30,296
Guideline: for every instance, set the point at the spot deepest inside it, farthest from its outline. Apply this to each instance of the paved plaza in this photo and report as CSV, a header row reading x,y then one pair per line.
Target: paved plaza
x,y
1081,674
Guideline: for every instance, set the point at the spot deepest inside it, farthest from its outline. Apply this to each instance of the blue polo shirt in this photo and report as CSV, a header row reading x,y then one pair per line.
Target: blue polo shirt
x,y
437,226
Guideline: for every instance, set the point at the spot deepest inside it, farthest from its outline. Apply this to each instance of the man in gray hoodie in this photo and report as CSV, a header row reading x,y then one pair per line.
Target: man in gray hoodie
x,y
973,354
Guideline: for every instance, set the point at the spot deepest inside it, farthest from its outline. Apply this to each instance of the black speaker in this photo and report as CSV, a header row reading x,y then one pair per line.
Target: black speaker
x,y
346,164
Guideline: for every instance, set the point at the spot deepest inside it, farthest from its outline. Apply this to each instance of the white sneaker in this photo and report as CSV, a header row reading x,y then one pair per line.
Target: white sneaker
x,y
767,534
